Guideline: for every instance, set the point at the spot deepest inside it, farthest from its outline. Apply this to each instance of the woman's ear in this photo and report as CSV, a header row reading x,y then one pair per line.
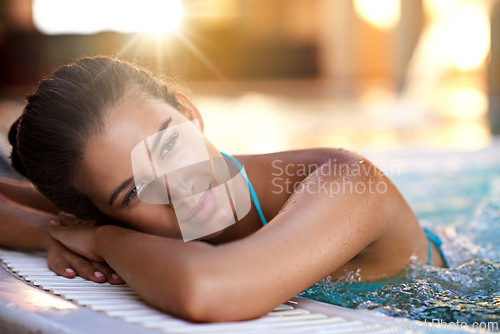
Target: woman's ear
x,y
189,109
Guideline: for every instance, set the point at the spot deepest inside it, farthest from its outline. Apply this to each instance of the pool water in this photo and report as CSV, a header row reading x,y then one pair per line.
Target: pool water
x,y
457,195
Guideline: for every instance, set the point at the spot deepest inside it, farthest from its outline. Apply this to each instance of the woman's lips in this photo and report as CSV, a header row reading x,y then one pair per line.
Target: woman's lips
x,y
203,209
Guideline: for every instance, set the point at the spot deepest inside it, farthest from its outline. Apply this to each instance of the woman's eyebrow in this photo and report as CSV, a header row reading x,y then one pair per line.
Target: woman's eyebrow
x,y
125,183
119,189
162,127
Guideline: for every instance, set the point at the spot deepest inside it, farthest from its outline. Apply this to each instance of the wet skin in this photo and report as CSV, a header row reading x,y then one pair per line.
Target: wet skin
x,y
310,234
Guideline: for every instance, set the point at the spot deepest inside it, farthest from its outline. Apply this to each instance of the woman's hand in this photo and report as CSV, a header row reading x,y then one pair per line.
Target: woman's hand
x,y
74,246
66,263
76,235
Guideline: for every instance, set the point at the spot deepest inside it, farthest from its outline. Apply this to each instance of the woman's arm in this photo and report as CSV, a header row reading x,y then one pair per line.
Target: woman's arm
x,y
23,227
315,234
26,194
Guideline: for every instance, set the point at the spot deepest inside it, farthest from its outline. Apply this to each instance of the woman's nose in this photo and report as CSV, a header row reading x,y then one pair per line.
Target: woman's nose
x,y
180,185
186,181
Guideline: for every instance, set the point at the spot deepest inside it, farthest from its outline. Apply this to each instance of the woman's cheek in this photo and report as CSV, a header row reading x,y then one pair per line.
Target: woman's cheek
x,y
158,221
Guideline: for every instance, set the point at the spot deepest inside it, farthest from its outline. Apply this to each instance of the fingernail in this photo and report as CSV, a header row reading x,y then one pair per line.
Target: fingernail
x,y
115,276
98,274
69,271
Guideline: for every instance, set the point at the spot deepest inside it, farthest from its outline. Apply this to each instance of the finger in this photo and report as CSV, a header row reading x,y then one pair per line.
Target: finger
x,y
60,266
85,269
111,276
57,262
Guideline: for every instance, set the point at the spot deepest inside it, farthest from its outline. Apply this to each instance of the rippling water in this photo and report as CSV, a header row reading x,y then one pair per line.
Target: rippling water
x,y
461,204
468,293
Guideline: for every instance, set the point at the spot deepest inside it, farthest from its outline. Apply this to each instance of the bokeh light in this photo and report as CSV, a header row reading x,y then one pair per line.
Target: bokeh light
x,y
467,103
373,73
382,14
54,17
464,30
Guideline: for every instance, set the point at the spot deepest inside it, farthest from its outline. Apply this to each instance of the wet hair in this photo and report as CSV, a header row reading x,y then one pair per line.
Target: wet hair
x,y
49,138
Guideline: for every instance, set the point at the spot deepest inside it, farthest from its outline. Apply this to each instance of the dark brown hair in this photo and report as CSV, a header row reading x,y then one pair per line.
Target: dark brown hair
x,y
48,140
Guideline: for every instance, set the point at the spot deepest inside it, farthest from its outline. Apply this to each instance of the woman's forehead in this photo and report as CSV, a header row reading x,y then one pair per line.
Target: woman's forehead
x,y
107,155
139,113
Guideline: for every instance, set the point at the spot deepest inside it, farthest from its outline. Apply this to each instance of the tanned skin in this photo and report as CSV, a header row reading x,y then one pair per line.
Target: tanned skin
x,y
244,270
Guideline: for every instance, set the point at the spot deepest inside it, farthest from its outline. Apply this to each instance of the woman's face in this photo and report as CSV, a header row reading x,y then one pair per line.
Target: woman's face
x,y
148,140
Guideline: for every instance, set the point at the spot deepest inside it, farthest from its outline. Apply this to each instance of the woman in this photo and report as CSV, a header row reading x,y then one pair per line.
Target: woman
x,y
77,141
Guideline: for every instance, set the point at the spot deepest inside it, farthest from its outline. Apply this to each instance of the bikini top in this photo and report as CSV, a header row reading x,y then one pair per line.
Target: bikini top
x,y
253,194
432,237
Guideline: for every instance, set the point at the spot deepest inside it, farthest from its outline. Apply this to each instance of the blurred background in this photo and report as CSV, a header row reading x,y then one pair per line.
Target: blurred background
x,y
272,75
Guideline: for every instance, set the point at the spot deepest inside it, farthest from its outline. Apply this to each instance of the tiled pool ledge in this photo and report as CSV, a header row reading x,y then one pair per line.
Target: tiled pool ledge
x,y
31,300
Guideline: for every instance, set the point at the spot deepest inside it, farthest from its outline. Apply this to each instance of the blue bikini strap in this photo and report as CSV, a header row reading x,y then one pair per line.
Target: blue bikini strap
x,y
431,236
429,251
253,194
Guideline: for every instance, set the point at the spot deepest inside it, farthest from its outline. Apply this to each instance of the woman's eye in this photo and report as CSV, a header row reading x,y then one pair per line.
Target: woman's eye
x,y
168,146
131,194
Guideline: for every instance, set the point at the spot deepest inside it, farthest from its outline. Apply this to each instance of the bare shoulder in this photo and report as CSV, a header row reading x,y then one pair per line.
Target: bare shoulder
x,y
289,168
314,156
275,176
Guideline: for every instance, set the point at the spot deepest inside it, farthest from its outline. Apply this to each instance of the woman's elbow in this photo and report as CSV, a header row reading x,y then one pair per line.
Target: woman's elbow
x,y
207,298
199,302
194,297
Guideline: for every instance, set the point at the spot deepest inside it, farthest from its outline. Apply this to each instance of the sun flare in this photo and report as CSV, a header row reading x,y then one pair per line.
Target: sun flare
x,y
53,17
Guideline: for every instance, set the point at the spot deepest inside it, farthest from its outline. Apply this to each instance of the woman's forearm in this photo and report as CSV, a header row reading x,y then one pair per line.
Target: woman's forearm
x,y
163,271
22,227
25,194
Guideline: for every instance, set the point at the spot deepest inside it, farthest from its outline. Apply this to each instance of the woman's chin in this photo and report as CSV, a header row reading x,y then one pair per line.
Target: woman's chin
x,y
219,222
212,235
